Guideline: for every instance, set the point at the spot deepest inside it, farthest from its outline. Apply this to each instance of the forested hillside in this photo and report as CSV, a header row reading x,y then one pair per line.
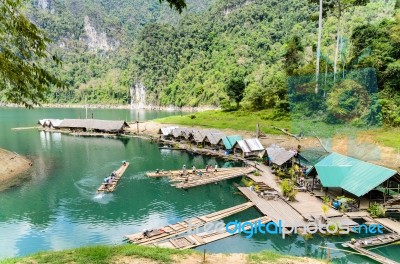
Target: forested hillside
x,y
95,40
255,54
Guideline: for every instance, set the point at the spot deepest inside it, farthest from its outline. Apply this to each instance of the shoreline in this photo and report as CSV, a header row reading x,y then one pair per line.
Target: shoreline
x,y
12,169
118,106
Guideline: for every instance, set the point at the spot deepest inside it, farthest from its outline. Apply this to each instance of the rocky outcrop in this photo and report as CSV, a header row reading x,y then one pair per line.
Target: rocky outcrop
x,y
96,40
138,96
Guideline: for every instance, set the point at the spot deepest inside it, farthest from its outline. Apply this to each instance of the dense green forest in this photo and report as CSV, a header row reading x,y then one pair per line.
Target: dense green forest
x,y
95,40
253,54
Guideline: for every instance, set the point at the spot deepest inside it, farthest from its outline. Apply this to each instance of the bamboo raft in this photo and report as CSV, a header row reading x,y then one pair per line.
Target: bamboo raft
x,y
178,173
373,241
360,244
195,240
169,231
110,187
207,178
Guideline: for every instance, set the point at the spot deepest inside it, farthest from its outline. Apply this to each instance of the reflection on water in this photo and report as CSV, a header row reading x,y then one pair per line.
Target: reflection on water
x,y
59,207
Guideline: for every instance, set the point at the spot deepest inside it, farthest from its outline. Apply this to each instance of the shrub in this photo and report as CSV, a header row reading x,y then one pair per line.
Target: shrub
x,y
288,189
326,199
376,210
257,173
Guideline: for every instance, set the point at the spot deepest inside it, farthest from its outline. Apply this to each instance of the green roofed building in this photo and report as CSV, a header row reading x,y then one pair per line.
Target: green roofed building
x,y
355,176
229,141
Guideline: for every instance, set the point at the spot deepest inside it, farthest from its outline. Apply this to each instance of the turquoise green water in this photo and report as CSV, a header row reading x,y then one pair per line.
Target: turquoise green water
x,y
58,209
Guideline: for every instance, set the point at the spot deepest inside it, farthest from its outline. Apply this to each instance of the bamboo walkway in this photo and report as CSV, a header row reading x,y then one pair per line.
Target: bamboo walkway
x,y
110,187
207,178
360,244
390,224
184,226
276,209
195,240
178,173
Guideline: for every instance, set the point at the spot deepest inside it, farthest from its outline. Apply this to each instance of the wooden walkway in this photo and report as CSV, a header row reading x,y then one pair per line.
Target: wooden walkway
x,y
184,226
360,245
276,209
266,177
310,207
195,240
390,224
110,187
178,173
374,256
207,178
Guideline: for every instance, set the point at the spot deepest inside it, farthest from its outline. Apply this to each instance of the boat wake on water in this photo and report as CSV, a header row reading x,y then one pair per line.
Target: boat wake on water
x,y
103,198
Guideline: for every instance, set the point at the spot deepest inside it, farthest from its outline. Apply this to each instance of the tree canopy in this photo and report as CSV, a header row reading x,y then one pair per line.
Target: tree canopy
x,y
23,78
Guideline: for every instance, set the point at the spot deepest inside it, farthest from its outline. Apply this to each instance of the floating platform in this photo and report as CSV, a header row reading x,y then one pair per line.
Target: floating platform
x,y
178,173
360,245
211,177
110,187
195,240
389,224
276,209
184,226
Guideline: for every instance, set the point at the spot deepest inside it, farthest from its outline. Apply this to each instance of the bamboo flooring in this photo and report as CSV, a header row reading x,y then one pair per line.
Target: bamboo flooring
x,y
212,177
361,244
374,256
110,187
185,226
276,209
389,224
178,173
195,240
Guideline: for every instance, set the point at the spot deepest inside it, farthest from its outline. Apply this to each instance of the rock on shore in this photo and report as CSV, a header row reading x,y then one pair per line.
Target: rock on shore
x,y
12,168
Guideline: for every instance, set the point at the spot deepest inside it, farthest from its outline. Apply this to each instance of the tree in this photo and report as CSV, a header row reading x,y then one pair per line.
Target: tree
x,y
235,90
340,7
318,45
177,4
22,53
293,55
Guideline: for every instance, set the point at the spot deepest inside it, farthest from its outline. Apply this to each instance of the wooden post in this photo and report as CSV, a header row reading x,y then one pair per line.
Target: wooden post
x,y
137,123
204,256
328,255
258,130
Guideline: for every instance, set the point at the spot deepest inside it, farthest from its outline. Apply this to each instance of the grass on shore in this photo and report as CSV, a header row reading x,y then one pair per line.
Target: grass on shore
x,y
266,256
247,121
138,254
237,120
386,136
101,254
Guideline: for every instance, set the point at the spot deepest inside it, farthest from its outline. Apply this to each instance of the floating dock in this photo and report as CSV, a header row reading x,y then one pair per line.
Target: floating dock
x,y
389,224
184,226
212,177
360,245
195,240
110,187
276,209
178,173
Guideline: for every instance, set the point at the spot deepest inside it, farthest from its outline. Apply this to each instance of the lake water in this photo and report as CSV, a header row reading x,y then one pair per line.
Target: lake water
x,y
58,208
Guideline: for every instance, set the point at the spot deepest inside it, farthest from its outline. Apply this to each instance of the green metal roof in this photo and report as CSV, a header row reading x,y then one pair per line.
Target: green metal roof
x,y
355,176
229,141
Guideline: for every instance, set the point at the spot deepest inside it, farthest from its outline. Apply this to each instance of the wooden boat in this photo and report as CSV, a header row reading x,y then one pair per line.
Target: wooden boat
x,y
373,241
110,187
